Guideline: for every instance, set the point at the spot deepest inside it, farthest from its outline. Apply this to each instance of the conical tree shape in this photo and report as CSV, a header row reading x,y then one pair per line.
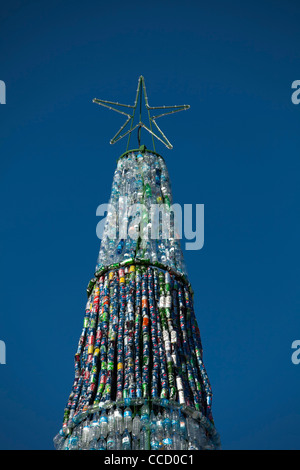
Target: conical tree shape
x,y
140,381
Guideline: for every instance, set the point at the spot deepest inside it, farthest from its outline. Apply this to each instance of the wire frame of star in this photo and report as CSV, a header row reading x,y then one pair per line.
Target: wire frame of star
x,y
153,126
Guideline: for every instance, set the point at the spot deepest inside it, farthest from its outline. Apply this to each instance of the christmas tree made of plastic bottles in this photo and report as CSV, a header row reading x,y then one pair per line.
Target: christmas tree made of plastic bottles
x,y
140,382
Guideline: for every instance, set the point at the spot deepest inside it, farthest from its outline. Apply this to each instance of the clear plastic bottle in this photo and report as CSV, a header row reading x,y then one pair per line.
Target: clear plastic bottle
x,y
78,431
144,445
135,443
65,445
119,422
191,427
153,438
136,426
59,440
102,443
153,441
145,414
95,427
168,441
167,423
192,432
152,421
111,442
103,430
176,441
94,445
182,427
183,443
126,441
128,419
73,443
111,421
118,441
175,421
86,436
159,426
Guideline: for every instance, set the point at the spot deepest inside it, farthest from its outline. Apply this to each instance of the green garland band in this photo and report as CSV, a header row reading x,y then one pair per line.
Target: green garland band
x,y
139,262
142,149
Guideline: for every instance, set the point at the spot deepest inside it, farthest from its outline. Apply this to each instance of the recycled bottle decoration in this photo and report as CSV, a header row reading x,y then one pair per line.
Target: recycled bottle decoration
x,y
140,381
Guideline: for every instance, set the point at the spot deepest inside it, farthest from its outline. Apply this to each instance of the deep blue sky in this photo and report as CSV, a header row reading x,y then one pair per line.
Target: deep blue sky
x,y
236,151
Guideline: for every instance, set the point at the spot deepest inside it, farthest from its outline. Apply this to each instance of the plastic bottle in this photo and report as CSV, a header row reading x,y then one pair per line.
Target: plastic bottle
x,y
152,422
144,441
128,419
153,437
192,434
182,427
59,440
145,412
119,422
175,421
168,441
73,440
111,421
85,437
111,443
118,441
78,432
167,423
183,444
94,445
103,431
102,443
135,443
136,426
126,441
95,427
176,441
159,426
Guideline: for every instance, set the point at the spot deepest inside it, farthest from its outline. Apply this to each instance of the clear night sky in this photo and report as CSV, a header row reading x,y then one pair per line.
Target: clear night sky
x,y
236,151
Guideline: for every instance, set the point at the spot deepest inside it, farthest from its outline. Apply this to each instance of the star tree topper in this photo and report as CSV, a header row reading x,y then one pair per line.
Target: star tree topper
x,y
141,89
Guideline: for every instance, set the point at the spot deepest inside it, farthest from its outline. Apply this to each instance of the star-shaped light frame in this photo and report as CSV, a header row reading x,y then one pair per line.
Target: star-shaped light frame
x,y
141,89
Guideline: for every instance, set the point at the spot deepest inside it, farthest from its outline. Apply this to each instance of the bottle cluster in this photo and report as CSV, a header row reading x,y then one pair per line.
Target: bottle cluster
x,y
131,429
135,227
